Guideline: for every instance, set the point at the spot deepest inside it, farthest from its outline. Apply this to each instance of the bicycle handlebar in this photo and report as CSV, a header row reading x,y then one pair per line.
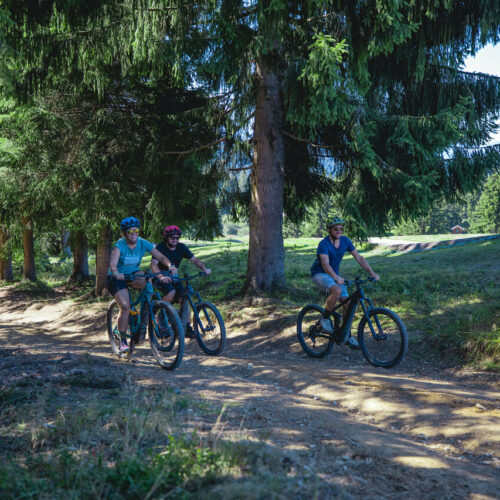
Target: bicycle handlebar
x,y
187,277
132,277
358,281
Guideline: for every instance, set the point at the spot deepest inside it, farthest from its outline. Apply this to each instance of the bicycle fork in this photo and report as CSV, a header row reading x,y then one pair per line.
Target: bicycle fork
x,y
366,311
197,319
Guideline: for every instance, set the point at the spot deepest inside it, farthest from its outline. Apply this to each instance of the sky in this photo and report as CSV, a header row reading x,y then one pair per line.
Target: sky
x,y
487,60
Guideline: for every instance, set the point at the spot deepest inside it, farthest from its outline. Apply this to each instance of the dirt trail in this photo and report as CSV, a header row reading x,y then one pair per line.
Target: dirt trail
x,y
420,430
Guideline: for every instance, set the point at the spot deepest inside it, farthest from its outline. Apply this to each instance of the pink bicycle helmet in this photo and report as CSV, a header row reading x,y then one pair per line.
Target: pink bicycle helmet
x,y
172,231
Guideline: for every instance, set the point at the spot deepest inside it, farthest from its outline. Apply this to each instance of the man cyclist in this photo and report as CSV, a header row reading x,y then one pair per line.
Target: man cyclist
x,y
325,271
175,251
125,259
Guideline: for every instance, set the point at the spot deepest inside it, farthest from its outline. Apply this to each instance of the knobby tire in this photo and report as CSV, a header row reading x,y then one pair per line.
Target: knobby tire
x,y
211,335
388,350
166,335
306,321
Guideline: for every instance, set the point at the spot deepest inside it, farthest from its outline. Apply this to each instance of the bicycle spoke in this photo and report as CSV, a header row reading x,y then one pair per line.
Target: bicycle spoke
x,y
386,342
112,327
166,336
210,330
313,339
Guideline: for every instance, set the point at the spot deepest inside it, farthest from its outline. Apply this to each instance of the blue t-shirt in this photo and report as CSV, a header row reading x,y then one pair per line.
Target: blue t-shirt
x,y
335,255
130,258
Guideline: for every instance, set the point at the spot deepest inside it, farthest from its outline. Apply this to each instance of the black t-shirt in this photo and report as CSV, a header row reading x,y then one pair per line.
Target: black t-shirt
x,y
175,256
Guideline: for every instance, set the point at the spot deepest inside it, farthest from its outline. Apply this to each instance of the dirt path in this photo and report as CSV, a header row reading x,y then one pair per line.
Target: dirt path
x,y
419,431
400,245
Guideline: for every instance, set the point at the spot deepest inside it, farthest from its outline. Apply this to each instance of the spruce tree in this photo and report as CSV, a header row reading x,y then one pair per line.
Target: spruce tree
x,y
114,134
365,99
371,93
486,217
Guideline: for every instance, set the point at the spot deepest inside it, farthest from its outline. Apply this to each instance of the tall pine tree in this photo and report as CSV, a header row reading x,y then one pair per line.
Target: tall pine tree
x,y
362,98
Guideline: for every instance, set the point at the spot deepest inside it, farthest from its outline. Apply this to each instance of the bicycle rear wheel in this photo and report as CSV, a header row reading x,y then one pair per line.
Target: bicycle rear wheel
x,y
389,344
112,327
211,331
315,342
166,336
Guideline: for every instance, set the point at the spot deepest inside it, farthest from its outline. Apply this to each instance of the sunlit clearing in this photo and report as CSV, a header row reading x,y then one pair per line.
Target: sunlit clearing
x,y
422,462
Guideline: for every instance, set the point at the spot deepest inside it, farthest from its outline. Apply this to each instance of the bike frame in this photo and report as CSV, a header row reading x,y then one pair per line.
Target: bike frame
x,y
189,292
146,296
358,297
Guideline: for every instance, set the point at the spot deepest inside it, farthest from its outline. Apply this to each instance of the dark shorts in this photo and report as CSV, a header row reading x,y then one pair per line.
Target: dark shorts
x,y
114,285
166,288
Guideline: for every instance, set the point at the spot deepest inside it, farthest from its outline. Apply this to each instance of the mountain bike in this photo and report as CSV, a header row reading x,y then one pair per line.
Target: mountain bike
x,y
166,336
382,335
208,325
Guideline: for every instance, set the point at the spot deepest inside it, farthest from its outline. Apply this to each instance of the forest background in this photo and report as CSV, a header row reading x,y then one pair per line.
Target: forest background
x,y
279,114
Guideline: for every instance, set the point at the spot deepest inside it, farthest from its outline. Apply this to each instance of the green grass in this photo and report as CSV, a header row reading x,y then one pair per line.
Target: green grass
x,y
98,434
108,437
447,297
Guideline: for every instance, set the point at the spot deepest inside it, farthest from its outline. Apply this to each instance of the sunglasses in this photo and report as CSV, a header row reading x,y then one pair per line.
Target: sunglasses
x,y
338,228
174,237
132,231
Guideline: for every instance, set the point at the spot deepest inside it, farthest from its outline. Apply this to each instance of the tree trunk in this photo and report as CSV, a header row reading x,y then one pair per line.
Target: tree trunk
x,y
6,272
102,260
80,256
65,247
266,254
29,271
422,226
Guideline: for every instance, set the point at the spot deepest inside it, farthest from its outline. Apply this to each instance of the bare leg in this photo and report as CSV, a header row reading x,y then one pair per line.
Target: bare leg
x,y
138,283
351,341
123,300
169,297
333,298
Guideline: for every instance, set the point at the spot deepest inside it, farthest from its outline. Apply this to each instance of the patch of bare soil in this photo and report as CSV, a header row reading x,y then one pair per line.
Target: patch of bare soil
x,y
409,246
419,431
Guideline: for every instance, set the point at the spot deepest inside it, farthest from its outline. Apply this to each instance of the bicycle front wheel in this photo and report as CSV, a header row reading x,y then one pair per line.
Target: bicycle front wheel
x,y
210,332
386,346
166,336
315,342
112,326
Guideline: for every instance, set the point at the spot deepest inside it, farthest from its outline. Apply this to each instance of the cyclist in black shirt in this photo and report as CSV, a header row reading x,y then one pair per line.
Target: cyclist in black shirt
x,y
175,252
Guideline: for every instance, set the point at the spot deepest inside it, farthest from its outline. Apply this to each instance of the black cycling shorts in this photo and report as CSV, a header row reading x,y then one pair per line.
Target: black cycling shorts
x,y
115,285
165,288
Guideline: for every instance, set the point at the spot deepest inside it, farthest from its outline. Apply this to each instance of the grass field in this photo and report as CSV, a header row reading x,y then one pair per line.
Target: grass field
x,y
449,298
83,429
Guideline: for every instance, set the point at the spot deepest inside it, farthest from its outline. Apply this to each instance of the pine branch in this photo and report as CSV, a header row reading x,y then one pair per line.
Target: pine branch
x,y
199,148
211,144
162,9
241,168
324,16
73,34
317,146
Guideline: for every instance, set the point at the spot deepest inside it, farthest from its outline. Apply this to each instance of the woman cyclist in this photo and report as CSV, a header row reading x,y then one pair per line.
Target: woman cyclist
x,y
125,259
